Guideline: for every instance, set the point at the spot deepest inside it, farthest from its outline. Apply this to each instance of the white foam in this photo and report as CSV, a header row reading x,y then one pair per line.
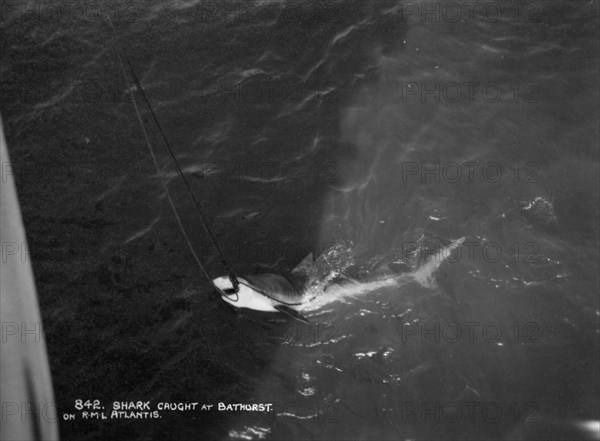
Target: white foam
x,y
317,298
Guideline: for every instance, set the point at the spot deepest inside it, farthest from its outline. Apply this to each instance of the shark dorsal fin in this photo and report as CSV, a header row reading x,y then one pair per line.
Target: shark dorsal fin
x,y
304,266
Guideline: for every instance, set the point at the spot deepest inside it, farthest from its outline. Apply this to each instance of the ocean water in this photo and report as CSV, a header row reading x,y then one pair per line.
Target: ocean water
x,y
368,133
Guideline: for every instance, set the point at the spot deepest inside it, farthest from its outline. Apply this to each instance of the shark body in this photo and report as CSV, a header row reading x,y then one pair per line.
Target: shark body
x,y
296,294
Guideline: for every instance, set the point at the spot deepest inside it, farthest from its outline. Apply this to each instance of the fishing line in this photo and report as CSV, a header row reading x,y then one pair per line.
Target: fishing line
x,y
232,275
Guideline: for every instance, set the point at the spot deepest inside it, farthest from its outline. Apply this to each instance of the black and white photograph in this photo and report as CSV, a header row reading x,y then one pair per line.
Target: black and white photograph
x,y
288,220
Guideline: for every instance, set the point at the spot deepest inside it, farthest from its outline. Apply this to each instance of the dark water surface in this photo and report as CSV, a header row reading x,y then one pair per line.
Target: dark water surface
x,y
389,127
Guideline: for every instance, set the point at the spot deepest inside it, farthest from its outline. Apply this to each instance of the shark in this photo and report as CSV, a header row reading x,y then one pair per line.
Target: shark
x,y
301,293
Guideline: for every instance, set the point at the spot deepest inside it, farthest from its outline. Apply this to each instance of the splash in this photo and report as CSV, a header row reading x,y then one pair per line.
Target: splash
x,y
323,292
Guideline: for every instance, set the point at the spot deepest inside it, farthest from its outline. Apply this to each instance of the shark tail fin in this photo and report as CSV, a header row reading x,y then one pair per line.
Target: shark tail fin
x,y
291,312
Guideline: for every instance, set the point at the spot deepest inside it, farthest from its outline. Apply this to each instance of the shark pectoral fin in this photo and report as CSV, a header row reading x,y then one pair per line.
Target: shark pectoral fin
x,y
291,312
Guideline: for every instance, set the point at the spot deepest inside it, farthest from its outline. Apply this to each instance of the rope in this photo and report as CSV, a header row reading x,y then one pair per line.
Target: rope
x,y
232,275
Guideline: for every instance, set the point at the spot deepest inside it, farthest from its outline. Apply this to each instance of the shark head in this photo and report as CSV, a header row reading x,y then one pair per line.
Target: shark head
x,y
251,290
245,297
